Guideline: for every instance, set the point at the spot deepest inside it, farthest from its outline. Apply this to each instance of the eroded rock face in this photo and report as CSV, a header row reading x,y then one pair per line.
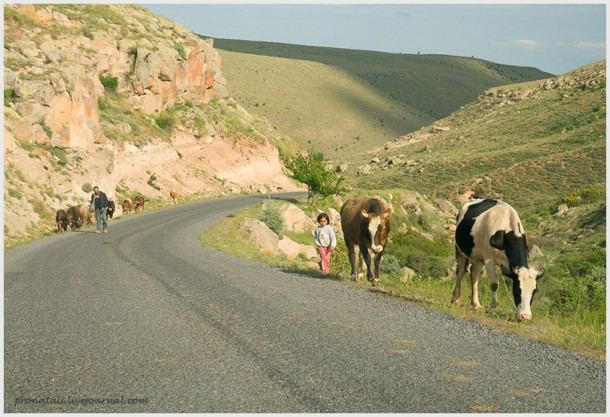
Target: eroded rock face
x,y
155,72
76,101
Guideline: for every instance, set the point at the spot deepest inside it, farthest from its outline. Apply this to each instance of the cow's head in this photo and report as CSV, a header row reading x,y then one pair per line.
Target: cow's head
x,y
524,288
379,228
69,221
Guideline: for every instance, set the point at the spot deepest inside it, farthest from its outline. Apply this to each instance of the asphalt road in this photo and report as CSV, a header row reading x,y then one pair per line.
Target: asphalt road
x,y
146,319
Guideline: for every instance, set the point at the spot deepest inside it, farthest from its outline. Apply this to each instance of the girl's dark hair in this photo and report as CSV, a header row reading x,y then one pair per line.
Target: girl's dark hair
x,y
325,216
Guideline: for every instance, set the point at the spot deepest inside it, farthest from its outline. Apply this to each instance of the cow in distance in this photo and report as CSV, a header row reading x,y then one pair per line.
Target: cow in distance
x,y
63,220
111,208
127,205
138,203
174,195
80,215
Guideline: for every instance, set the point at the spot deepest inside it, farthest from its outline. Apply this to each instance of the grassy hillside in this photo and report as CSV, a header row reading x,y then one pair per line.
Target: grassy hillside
x,y
386,94
530,144
317,105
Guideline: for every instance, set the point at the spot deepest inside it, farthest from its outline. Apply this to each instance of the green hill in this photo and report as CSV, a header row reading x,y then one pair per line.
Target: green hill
x,y
347,100
531,143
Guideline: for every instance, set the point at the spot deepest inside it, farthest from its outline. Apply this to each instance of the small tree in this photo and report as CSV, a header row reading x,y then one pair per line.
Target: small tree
x,y
310,170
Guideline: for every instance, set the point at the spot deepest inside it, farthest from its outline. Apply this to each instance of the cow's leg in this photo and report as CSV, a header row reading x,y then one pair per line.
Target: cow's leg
x,y
352,259
377,261
490,266
474,281
364,252
462,266
359,265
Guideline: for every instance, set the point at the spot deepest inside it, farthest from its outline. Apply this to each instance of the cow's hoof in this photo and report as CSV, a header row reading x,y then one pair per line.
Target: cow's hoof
x,y
455,301
476,306
375,282
353,277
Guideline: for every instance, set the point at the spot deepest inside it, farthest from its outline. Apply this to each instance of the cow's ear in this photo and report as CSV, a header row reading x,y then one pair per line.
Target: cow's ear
x,y
365,213
497,240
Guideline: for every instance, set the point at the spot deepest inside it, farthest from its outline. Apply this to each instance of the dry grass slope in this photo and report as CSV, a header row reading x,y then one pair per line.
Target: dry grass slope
x,y
343,101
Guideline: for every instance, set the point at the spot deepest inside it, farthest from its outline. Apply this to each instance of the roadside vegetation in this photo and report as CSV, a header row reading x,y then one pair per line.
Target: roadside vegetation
x,y
540,146
569,309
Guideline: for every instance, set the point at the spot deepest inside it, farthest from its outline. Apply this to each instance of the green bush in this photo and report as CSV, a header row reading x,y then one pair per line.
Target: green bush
x,y
59,153
271,216
15,193
87,187
181,51
577,285
109,82
425,257
166,120
586,195
390,266
9,96
151,182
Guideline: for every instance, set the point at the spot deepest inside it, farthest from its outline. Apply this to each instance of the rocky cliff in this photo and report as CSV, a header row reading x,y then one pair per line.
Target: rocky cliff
x,y
112,95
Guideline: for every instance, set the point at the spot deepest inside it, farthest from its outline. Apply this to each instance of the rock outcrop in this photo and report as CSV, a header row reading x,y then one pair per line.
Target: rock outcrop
x,y
112,95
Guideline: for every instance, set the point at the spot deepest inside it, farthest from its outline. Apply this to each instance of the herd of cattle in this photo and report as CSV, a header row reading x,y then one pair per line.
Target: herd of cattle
x,y
488,234
77,216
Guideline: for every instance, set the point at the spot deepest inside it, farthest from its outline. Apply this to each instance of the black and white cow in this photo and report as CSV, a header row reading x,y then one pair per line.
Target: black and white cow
x,y
489,233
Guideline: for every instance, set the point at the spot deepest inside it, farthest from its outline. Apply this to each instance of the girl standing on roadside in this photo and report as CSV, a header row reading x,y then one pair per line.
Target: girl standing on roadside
x,y
325,240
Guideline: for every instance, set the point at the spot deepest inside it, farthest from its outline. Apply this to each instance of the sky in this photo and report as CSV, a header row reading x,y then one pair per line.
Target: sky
x,y
555,38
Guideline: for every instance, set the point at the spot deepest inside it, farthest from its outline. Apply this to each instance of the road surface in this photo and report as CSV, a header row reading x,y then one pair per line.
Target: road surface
x,y
146,319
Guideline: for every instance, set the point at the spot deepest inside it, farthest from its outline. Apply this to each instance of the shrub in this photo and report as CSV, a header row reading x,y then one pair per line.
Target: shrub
x,y
87,187
9,96
151,182
390,265
60,154
47,130
181,51
586,195
271,216
166,120
425,257
109,82
15,193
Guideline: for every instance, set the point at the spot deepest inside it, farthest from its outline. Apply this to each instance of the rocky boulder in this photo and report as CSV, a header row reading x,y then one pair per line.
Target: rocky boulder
x,y
263,237
292,249
295,219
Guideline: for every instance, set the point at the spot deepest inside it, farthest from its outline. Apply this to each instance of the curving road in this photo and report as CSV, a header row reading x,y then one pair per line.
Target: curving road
x,y
146,319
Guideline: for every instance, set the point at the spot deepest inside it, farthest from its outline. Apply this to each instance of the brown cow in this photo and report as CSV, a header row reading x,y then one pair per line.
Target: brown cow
x,y
138,203
174,195
366,224
80,215
63,220
127,206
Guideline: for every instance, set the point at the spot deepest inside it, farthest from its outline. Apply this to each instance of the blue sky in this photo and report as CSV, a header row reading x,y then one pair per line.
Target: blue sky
x,y
552,37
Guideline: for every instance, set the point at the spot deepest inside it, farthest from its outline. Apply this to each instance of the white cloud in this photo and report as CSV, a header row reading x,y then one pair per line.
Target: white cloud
x,y
526,44
590,45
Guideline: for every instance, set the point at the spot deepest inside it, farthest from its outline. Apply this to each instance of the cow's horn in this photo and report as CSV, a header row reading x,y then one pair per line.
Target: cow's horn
x,y
540,273
365,213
